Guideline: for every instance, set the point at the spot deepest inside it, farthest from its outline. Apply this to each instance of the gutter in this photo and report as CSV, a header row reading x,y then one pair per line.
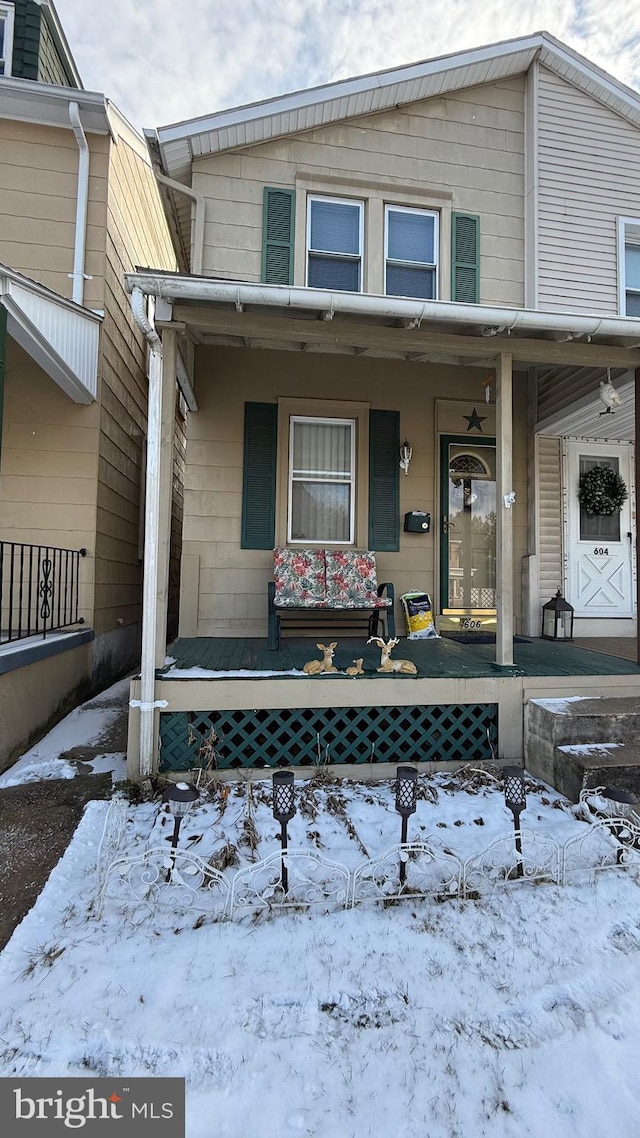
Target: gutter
x,y
198,221
82,199
492,321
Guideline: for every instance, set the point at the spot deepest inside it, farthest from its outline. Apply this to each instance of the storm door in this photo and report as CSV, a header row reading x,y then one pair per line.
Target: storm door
x,y
468,525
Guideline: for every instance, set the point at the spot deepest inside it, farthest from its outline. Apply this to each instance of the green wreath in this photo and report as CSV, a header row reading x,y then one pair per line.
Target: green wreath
x,y
602,491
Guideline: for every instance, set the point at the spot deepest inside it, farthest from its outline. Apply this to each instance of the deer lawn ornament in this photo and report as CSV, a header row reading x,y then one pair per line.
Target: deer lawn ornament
x,y
358,670
386,663
315,667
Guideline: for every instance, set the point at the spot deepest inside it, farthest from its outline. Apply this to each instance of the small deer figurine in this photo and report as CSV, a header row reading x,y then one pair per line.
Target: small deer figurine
x,y
386,663
358,670
315,667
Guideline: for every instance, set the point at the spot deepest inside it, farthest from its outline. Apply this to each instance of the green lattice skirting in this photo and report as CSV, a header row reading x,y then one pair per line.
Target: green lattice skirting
x,y
291,737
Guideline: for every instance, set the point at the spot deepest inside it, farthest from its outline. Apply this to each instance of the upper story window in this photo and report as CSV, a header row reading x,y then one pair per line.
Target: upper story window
x,y
6,38
322,463
411,252
335,243
629,259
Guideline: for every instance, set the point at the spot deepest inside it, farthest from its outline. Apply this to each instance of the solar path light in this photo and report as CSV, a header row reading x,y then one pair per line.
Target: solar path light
x,y
515,799
406,795
180,797
284,808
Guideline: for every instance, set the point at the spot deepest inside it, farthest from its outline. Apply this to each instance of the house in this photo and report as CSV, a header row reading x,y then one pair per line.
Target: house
x,y
446,253
79,207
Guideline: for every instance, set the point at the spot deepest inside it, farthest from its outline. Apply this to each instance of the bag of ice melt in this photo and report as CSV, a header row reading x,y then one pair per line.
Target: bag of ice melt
x,y
418,616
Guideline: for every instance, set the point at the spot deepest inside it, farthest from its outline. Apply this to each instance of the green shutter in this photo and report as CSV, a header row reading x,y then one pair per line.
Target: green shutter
x,y
277,236
259,476
384,482
465,258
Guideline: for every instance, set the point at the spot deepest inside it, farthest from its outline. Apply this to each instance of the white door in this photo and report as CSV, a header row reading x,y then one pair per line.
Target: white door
x,y
599,548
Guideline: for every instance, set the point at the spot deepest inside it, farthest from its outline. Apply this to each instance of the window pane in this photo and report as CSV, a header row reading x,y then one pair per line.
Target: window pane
x,y
411,237
633,304
325,272
322,450
598,527
335,227
320,511
632,266
403,281
2,27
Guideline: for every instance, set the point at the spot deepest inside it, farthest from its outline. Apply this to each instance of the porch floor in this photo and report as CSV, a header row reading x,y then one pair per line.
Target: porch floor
x,y
442,658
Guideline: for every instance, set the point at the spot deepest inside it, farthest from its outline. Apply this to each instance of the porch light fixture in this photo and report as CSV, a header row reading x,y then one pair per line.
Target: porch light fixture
x,y
179,797
515,799
557,619
406,454
406,796
284,809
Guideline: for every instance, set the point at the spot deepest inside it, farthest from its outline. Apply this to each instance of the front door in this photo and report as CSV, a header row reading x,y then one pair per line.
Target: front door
x,y
599,547
468,527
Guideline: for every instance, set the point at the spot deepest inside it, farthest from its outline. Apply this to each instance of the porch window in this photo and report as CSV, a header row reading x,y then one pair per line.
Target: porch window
x,y
629,255
334,244
321,505
6,38
411,252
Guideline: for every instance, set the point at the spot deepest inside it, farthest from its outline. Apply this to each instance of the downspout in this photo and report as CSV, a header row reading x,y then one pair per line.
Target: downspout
x,y
198,222
82,199
147,702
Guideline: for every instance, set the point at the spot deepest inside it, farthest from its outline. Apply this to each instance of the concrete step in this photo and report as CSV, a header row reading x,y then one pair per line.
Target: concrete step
x,y
560,736
583,766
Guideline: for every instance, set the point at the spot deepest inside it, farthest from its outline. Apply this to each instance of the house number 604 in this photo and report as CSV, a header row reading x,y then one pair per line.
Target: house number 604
x,y
601,551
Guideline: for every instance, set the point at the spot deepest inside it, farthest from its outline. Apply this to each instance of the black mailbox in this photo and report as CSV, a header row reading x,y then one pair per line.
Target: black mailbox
x,y
417,521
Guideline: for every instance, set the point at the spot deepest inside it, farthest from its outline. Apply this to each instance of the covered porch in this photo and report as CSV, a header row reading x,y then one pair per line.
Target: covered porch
x,y
429,364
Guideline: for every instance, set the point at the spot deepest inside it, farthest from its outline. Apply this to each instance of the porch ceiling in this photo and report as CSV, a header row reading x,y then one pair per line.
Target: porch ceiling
x,y
573,408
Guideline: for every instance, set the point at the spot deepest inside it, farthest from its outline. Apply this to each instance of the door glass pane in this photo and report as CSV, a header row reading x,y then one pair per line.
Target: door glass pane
x,y
596,527
471,528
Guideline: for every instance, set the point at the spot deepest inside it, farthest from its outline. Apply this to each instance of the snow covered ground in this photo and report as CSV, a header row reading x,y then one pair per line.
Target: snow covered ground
x,y
514,1014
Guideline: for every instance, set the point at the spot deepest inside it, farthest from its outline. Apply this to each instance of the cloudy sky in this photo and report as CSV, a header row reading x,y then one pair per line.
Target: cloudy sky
x,y
163,61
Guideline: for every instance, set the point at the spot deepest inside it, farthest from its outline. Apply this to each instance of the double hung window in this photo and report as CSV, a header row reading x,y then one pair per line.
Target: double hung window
x,y
334,243
629,244
321,505
6,38
411,252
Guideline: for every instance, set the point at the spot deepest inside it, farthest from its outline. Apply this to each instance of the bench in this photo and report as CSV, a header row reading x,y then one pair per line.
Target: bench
x,y
309,583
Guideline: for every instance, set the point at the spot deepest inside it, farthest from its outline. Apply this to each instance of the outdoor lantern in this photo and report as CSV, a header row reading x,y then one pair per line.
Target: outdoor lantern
x,y
406,454
284,808
515,799
406,795
557,619
180,797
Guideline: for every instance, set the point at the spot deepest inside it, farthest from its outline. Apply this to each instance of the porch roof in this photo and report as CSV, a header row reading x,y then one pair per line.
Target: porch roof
x,y
243,314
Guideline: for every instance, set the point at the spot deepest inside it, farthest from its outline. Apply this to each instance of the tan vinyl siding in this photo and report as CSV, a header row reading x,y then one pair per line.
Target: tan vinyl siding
x,y
232,596
466,149
49,467
550,517
589,172
38,188
136,234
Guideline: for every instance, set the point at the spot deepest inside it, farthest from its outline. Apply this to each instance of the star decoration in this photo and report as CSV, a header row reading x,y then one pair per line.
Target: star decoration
x,y
475,421
114,1097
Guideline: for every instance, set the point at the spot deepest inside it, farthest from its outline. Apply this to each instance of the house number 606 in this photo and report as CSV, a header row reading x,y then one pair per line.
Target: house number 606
x,y
601,551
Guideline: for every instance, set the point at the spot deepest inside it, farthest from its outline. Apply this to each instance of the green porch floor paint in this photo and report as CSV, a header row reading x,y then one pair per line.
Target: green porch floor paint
x,y
441,658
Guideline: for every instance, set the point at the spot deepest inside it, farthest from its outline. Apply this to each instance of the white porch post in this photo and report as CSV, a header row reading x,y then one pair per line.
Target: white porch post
x,y
504,513
162,371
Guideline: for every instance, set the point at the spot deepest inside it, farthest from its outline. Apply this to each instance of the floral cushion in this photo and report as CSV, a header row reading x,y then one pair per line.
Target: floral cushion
x,y
299,576
351,580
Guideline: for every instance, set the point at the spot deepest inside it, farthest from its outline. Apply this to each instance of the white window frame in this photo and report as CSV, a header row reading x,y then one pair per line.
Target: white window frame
x,y
624,225
7,12
391,208
305,541
336,256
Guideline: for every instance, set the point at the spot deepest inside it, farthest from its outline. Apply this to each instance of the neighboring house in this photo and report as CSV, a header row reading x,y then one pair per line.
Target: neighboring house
x,y
447,252
79,207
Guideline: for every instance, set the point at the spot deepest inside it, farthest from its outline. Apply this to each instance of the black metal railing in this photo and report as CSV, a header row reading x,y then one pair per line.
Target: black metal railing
x,y
39,589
